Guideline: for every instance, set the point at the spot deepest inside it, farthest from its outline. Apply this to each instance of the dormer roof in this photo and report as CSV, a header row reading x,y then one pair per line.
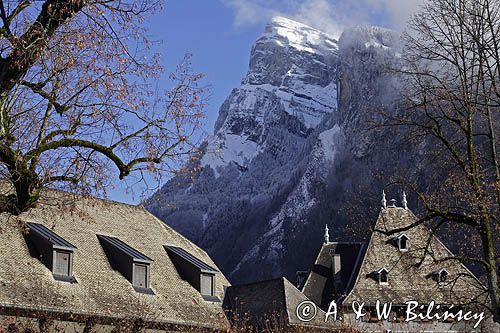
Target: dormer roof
x,y
380,271
49,236
189,258
123,248
400,236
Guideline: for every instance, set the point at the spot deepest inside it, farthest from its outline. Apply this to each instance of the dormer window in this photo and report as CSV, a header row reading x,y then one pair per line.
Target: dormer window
x,y
55,252
381,276
207,285
132,264
401,242
62,263
200,275
140,275
440,276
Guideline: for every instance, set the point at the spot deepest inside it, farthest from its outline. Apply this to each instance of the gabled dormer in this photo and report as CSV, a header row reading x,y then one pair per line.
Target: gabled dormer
x,y
200,275
380,275
54,252
132,264
401,242
440,276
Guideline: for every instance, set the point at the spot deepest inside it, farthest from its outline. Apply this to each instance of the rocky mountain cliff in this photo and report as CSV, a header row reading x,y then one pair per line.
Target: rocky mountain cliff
x,y
290,151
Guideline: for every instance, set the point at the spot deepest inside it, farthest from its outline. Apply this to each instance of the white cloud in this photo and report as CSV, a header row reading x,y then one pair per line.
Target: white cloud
x,y
331,16
248,12
400,10
320,14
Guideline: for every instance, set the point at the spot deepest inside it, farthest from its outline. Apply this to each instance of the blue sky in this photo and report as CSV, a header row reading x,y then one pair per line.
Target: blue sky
x,y
220,34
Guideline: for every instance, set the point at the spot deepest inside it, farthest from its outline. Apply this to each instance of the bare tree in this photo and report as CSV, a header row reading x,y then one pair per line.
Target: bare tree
x,y
451,90
78,98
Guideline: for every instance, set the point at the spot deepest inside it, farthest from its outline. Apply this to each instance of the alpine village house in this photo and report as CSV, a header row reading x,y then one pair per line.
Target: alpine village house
x,y
77,264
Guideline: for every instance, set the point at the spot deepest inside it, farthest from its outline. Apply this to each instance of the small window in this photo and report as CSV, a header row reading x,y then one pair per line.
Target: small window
x,y
403,244
383,277
373,315
140,278
207,284
62,263
400,314
199,274
441,276
402,241
336,264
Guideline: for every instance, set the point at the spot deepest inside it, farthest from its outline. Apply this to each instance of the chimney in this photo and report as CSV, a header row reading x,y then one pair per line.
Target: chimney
x,y
392,203
327,235
405,202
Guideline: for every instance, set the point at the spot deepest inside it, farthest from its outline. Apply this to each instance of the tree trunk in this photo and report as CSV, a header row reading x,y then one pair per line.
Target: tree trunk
x,y
491,270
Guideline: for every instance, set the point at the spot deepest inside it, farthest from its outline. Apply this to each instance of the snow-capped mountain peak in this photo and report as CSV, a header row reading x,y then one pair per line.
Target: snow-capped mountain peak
x,y
291,83
286,32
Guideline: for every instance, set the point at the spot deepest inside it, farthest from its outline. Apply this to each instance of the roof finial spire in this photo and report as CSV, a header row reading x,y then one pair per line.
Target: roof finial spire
x,y
384,201
327,235
405,202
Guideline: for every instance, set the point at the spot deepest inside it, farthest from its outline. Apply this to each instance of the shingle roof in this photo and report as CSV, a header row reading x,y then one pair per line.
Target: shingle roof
x,y
320,284
190,258
49,235
275,299
125,248
407,281
101,291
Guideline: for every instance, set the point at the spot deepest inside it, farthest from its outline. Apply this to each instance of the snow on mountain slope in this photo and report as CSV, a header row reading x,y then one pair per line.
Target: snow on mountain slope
x,y
329,142
291,75
286,32
237,149
297,63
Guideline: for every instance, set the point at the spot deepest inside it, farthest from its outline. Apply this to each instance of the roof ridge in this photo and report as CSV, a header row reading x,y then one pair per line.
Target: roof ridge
x,y
258,282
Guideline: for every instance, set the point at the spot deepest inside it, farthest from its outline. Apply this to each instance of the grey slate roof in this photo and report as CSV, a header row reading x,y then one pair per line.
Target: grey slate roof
x,y
406,280
321,286
101,291
275,299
